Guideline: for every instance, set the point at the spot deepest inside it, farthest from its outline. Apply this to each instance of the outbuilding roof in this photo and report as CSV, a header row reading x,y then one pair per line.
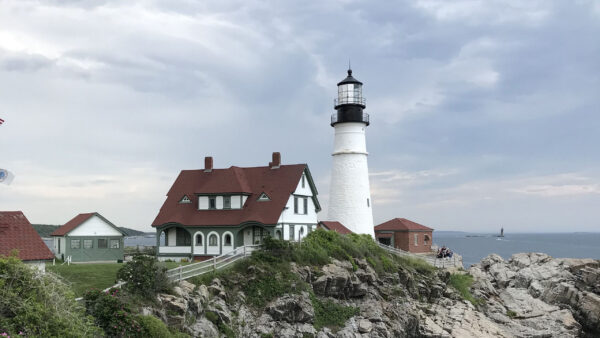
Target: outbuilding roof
x,y
277,183
402,224
77,221
335,226
17,233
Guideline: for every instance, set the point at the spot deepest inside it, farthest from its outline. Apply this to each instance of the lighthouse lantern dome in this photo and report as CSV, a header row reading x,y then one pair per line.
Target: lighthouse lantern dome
x,y
350,91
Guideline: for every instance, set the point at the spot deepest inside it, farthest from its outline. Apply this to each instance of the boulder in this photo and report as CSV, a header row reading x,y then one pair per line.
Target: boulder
x,y
364,326
203,328
292,308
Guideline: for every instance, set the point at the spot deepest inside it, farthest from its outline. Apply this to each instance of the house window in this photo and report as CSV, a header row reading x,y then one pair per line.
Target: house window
x,y
295,205
75,244
212,240
416,239
88,243
292,232
226,202
227,241
263,197
115,243
303,181
185,199
278,234
199,240
102,243
212,202
305,205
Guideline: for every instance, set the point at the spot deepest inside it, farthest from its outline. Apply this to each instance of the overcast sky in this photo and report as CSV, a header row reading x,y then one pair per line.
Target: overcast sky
x,y
483,113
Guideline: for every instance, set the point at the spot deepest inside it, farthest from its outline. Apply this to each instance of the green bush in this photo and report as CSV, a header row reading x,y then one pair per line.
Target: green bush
x,y
41,305
111,313
462,283
331,315
153,327
144,277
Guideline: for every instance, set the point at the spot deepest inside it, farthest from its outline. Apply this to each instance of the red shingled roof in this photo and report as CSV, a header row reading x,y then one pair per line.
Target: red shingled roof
x,y
402,224
335,226
278,184
17,233
72,224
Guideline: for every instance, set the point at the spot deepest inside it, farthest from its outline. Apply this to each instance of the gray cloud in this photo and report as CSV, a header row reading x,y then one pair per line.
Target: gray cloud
x,y
123,95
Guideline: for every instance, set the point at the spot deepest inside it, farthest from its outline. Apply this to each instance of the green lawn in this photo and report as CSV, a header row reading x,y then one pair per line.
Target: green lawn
x,y
87,276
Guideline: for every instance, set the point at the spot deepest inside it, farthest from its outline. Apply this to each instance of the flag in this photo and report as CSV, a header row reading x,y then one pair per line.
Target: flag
x,y
6,176
1,121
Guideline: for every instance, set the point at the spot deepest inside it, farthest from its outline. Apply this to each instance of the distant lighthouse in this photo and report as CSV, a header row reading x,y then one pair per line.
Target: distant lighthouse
x,y
350,193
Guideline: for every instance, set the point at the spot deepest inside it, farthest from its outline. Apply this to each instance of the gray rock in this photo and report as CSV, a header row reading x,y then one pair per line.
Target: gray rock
x,y
203,328
292,308
364,326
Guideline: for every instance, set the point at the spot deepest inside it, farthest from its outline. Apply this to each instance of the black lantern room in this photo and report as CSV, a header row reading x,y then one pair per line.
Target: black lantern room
x,y
350,102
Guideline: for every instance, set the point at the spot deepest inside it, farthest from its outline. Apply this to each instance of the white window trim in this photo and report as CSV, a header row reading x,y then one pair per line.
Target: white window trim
x,y
199,233
208,239
230,234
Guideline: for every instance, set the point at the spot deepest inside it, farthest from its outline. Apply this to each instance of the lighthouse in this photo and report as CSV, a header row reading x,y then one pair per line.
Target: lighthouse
x,y
350,193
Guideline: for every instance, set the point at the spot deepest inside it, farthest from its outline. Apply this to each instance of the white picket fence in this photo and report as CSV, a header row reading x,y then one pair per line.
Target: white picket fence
x,y
218,262
455,261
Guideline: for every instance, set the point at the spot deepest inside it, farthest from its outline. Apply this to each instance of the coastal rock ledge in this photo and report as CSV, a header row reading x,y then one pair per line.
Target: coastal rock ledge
x,y
535,295
530,295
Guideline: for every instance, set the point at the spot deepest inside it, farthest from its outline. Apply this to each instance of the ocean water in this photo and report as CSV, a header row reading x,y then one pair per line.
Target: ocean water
x,y
475,246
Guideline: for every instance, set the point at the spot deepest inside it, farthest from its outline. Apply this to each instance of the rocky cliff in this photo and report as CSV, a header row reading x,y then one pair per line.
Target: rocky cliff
x,y
530,295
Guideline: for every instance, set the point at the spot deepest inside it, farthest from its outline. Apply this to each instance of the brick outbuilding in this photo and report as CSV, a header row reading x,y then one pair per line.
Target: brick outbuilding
x,y
405,235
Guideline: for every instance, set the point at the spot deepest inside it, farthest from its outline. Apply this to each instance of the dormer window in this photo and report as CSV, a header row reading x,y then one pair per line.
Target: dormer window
x,y
263,197
212,202
185,199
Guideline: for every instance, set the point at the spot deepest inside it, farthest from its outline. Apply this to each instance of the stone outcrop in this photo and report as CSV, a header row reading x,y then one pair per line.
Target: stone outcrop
x,y
530,295
535,295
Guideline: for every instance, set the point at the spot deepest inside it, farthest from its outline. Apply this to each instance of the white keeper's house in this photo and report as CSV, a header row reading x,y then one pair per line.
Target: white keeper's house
x,y
209,212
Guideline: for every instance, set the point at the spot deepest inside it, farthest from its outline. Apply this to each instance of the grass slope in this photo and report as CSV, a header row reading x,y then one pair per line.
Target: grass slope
x,y
83,277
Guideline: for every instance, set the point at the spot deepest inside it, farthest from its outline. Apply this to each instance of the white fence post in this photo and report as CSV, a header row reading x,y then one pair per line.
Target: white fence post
x,y
214,263
180,272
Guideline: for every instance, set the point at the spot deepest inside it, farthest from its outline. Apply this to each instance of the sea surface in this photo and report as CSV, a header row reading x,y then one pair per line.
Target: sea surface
x,y
475,246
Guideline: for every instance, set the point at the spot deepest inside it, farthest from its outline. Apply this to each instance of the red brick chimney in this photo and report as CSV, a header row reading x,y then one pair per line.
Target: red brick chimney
x,y
208,164
276,162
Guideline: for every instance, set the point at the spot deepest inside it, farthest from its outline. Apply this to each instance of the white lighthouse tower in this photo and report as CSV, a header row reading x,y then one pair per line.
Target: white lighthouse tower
x,y
350,192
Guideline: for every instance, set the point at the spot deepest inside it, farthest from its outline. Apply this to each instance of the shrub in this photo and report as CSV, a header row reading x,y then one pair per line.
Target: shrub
x,y
511,314
153,327
330,314
39,305
462,283
144,277
111,313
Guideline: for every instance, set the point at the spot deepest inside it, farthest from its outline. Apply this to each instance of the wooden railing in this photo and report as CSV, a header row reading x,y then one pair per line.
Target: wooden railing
x,y
218,262
448,262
